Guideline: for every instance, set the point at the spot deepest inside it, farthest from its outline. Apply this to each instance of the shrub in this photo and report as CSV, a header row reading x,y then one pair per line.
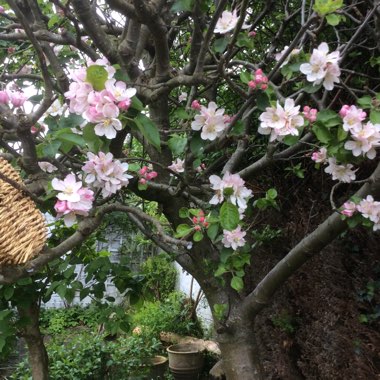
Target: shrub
x,y
171,315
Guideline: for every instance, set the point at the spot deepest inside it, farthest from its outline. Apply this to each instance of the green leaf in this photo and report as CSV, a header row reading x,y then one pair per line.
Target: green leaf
x,y
221,270
245,76
212,231
197,145
137,104
181,114
73,138
229,216
328,118
198,236
183,230
51,149
333,19
8,292
71,121
322,133
237,283
262,101
290,140
365,101
375,117
323,7
310,89
94,142
149,130
272,194
220,44
177,144
53,20
341,134
220,310
244,40
182,5
237,129
97,76
183,212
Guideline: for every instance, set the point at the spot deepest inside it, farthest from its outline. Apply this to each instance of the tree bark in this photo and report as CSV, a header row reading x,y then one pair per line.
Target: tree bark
x,y
37,355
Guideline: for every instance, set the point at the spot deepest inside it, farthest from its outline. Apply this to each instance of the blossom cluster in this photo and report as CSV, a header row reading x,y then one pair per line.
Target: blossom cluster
x,y
234,239
310,114
106,173
365,137
368,208
323,67
101,108
228,22
293,53
73,199
339,172
230,187
16,98
200,221
177,166
259,80
279,121
211,121
146,174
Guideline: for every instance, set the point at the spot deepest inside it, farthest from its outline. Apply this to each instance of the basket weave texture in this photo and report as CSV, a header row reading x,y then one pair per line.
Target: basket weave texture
x,y
22,226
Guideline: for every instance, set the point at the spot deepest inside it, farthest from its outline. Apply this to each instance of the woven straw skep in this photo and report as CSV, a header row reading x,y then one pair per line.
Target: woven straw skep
x,y
22,226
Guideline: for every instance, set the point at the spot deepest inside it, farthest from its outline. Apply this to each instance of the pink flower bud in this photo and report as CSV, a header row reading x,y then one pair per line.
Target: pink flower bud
x,y
343,111
33,129
124,104
4,98
201,219
2,10
142,181
205,224
143,170
61,206
195,220
252,84
11,50
197,228
195,105
264,86
18,98
252,34
259,72
151,175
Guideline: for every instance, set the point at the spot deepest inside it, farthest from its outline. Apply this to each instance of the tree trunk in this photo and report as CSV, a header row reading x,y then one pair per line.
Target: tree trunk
x,y
240,356
37,355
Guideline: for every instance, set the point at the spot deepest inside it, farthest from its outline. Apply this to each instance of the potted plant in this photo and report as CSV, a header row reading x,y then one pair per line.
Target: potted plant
x,y
185,360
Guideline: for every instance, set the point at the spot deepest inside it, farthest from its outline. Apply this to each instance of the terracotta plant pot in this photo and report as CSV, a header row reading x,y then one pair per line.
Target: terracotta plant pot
x,y
185,360
158,367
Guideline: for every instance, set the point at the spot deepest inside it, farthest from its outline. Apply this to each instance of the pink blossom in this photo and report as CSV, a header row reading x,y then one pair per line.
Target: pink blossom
x,y
234,239
228,22
4,97
68,188
142,181
370,209
310,113
232,187
106,173
61,207
124,104
17,98
211,121
47,167
11,50
151,175
252,34
177,166
281,121
119,91
182,97
195,105
349,209
352,117
320,156
342,173
2,10
322,67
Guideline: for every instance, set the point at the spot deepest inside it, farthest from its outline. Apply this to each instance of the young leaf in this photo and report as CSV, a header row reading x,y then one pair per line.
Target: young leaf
x,y
229,216
237,283
97,76
183,230
177,144
149,130
198,236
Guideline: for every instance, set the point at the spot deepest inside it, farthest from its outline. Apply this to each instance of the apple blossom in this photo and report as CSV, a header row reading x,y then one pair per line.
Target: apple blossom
x,y
2,9
349,209
279,55
322,67
228,22
4,97
118,91
195,105
211,121
370,209
320,156
352,117
281,121
365,140
182,97
17,98
310,113
342,173
68,188
106,173
177,166
47,167
234,239
230,183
